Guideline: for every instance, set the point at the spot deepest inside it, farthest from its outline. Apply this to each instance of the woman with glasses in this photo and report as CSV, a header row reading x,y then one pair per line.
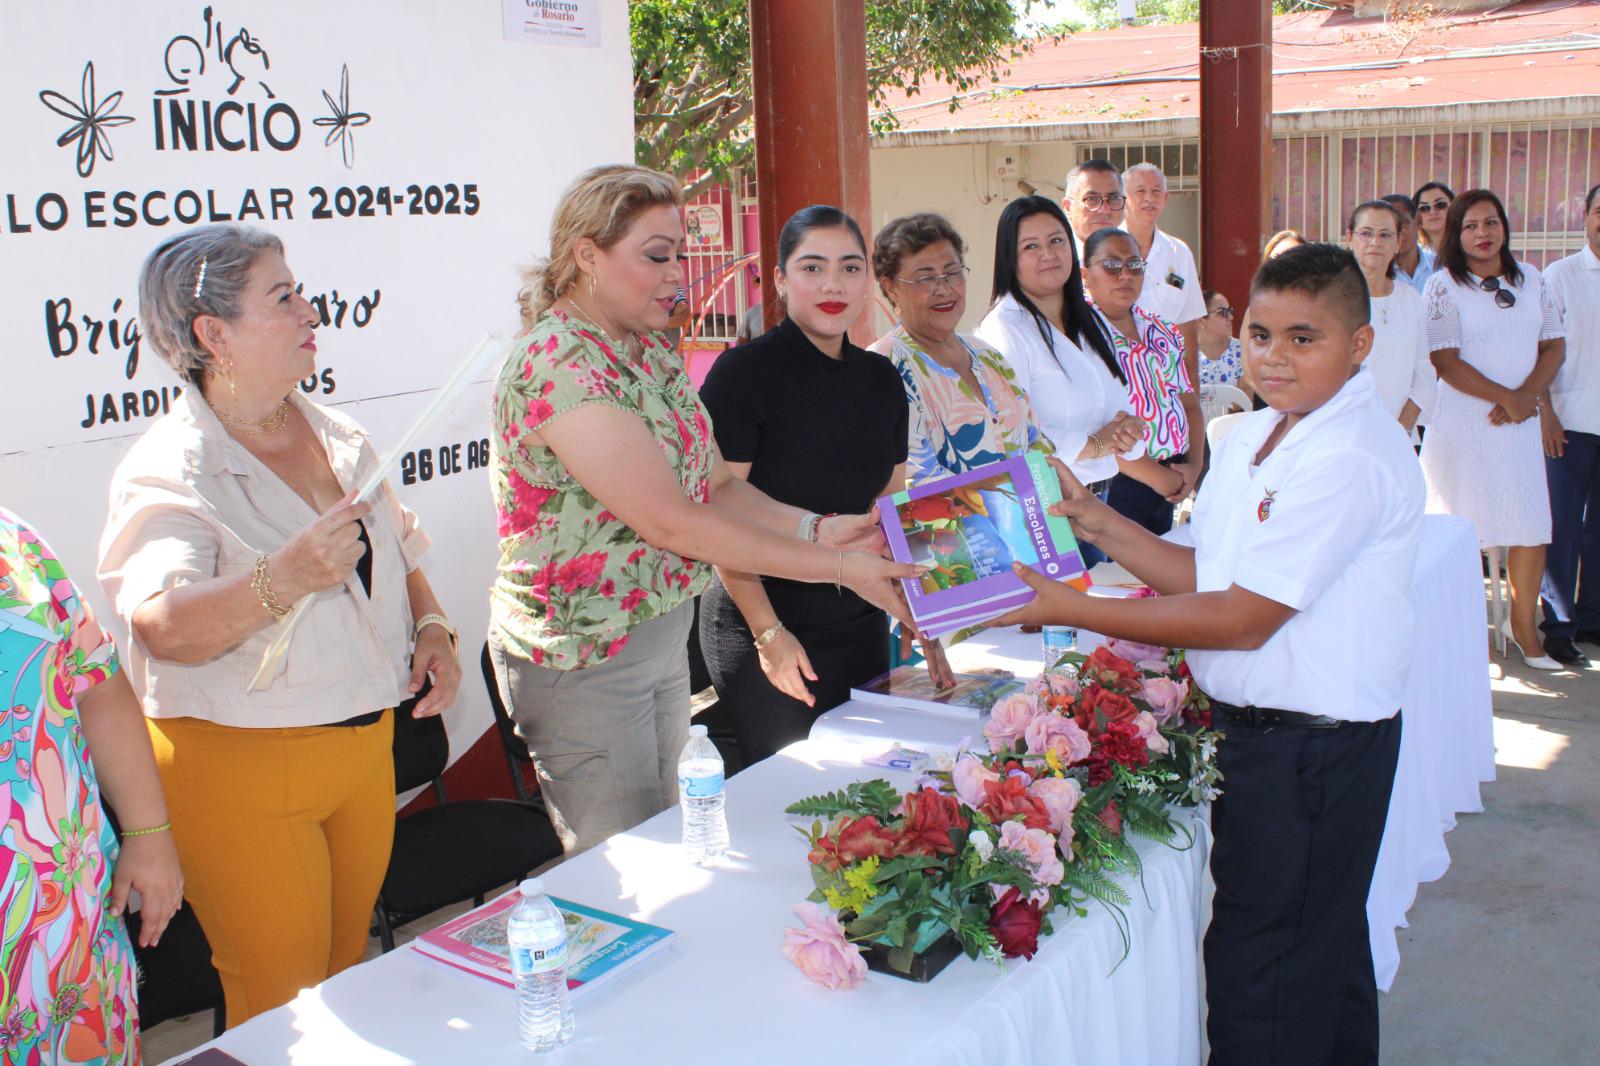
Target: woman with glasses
x,y
1431,206
1221,357
1149,352
1047,331
1398,360
1496,342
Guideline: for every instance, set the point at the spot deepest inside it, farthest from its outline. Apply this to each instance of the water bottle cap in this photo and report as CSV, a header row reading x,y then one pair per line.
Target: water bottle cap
x,y
697,731
533,886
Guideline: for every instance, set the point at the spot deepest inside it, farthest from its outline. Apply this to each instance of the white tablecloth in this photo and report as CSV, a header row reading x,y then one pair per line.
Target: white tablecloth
x,y
1447,739
724,994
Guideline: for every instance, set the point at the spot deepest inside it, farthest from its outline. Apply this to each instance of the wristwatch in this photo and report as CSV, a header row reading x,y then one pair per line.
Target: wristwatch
x,y
443,623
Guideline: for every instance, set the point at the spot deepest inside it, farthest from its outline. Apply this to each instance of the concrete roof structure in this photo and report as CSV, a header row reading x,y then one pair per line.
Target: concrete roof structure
x,y
1540,50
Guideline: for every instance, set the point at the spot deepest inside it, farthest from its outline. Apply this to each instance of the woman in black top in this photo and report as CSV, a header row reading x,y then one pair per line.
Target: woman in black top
x,y
814,421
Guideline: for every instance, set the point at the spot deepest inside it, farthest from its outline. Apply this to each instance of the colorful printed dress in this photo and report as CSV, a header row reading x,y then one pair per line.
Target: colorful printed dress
x,y
1157,380
67,968
951,430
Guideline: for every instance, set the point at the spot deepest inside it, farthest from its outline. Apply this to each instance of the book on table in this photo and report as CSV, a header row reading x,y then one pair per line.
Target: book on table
x,y
600,945
911,686
969,528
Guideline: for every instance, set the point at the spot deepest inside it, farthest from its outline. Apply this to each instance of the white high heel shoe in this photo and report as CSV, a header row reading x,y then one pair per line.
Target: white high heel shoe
x,y
1536,662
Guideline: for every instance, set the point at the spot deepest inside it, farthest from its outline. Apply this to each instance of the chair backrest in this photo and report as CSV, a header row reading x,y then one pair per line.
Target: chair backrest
x,y
1215,400
421,746
1219,427
516,751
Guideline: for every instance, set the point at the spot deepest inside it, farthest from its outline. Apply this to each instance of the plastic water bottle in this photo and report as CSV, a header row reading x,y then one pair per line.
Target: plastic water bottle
x,y
705,824
537,936
1056,642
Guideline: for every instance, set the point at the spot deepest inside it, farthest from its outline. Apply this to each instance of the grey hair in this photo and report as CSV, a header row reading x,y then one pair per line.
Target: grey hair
x,y
1139,168
171,298
1092,166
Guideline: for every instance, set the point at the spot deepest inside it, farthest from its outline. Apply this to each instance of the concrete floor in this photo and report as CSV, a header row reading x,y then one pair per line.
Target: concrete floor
x,y
1501,963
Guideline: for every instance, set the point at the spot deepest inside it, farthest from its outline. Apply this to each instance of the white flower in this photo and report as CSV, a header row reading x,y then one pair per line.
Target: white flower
x,y
981,843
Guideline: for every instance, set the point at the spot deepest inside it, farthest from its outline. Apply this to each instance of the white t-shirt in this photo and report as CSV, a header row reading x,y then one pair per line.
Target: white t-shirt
x,y
1329,525
1399,362
1072,392
1171,282
1575,284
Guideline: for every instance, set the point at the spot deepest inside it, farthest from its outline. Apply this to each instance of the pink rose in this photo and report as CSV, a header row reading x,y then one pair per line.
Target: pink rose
x,y
1060,797
1050,683
1145,723
1008,720
1038,850
821,951
1060,734
968,777
1135,652
1165,697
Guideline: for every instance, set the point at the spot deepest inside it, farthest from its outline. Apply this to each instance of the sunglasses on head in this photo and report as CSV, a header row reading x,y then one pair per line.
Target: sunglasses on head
x,y
1437,205
1502,297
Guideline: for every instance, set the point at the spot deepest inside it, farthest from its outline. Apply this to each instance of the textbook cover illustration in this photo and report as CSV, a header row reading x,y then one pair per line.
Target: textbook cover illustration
x,y
911,686
603,944
968,528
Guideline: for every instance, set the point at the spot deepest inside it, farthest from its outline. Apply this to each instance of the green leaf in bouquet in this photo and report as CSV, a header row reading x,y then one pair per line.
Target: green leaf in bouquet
x,y
895,867
895,931
900,958
867,927
877,797
1147,816
1095,883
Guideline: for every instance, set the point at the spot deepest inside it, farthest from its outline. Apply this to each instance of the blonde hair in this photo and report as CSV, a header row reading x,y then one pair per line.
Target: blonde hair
x,y
601,204
1281,237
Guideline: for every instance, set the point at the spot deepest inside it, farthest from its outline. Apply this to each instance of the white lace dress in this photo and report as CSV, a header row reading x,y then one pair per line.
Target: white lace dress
x,y
1493,475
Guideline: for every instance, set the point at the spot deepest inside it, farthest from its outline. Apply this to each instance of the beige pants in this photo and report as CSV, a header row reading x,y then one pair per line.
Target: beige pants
x,y
605,739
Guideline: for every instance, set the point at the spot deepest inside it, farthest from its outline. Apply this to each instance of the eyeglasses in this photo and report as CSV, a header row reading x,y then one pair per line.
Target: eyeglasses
x,y
1502,297
950,278
1094,201
1115,267
1225,313
1437,205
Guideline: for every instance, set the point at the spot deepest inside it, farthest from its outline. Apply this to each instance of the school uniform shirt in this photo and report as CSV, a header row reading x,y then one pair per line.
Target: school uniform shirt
x,y
1171,282
1329,525
1072,392
1574,283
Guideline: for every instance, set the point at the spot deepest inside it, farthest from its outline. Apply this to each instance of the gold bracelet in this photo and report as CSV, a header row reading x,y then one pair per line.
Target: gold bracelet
x,y
838,578
162,828
262,583
1099,445
768,635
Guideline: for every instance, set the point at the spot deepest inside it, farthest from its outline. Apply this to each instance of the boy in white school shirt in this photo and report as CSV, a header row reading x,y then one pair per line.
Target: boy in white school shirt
x,y
1294,605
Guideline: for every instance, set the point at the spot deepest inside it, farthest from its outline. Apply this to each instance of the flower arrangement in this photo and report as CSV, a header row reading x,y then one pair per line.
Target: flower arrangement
x,y
1097,748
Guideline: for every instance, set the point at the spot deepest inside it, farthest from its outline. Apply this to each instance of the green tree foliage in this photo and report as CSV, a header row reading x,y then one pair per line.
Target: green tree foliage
x,y
1102,14
693,96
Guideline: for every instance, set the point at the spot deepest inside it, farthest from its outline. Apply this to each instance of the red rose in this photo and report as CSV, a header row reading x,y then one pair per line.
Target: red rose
x,y
1123,743
1008,797
930,815
1112,671
1014,923
1106,706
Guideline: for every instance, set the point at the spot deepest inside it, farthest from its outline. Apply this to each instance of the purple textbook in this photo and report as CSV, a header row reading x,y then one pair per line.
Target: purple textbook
x,y
968,528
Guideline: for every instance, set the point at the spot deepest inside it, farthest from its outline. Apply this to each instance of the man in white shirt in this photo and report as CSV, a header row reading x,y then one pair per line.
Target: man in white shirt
x,y
1294,603
1570,419
1094,200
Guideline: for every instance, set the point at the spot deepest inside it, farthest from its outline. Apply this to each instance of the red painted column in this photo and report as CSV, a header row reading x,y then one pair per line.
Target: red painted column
x,y
810,67
1235,142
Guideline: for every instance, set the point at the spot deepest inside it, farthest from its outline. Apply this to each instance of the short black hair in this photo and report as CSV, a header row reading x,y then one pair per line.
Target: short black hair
x,y
1319,270
1401,202
1588,201
816,216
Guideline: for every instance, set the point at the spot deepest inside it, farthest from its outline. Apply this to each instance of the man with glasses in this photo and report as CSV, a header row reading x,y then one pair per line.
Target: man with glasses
x,y
1094,200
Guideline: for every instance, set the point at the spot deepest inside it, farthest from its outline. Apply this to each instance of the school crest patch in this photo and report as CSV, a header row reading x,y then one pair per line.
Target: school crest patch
x,y
1264,508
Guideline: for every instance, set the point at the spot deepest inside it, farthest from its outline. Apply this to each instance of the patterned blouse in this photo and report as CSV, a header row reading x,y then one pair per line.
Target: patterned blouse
x,y
1225,369
1157,380
951,430
573,579
69,972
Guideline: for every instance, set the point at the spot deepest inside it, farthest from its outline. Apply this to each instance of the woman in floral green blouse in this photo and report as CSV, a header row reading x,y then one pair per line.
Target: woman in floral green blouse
x,y
613,505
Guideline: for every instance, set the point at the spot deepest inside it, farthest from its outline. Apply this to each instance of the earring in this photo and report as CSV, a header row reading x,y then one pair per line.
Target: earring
x,y
591,284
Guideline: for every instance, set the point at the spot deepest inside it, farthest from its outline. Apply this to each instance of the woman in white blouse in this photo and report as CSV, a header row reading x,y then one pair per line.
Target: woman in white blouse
x,y
1040,321
1496,341
1399,364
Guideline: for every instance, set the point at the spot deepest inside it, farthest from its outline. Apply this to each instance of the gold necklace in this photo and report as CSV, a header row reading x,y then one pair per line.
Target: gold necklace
x,y
624,349
276,421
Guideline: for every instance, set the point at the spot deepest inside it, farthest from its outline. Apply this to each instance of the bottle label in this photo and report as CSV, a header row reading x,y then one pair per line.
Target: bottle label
x,y
700,787
528,962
